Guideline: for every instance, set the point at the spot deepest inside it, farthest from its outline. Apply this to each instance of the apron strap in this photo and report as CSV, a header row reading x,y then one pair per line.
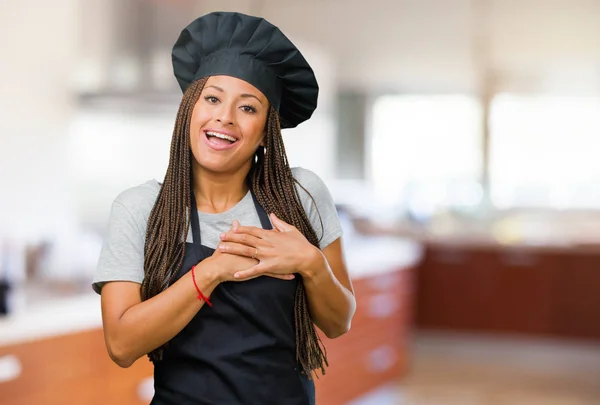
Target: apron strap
x,y
194,220
262,215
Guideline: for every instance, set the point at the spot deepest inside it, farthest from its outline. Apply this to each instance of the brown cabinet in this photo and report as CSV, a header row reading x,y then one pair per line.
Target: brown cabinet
x,y
576,296
72,369
375,351
531,290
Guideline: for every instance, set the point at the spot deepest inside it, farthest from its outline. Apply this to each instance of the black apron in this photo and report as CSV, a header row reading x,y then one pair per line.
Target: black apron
x,y
240,351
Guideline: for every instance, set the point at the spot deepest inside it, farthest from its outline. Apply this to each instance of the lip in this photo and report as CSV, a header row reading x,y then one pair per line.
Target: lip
x,y
219,146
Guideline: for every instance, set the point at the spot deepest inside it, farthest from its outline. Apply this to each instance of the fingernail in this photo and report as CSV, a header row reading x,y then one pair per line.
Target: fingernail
x,y
236,275
222,236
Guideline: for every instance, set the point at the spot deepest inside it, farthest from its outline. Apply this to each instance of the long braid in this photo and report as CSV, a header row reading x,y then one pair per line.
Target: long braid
x,y
274,185
275,188
168,223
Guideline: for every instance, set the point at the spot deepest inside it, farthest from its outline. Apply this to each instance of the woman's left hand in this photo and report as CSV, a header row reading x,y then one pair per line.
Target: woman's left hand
x,y
282,250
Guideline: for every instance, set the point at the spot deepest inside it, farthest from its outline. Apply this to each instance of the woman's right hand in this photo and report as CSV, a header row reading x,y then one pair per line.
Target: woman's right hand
x,y
226,265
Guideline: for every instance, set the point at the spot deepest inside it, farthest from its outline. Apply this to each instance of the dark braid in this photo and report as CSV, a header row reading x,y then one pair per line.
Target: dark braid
x,y
275,188
169,221
271,180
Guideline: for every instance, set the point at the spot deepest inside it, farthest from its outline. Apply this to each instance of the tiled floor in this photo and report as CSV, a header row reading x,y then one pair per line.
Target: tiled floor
x,y
469,370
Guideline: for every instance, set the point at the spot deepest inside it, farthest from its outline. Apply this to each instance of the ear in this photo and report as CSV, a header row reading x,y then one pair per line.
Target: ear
x,y
262,140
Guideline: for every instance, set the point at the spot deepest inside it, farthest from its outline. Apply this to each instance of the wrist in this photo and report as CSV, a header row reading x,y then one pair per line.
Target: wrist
x,y
207,274
312,264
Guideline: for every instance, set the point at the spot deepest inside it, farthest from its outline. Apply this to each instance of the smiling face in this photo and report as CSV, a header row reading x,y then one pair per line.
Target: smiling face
x,y
227,125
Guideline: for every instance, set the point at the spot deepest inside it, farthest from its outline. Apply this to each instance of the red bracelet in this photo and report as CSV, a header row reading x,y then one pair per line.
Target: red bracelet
x,y
200,295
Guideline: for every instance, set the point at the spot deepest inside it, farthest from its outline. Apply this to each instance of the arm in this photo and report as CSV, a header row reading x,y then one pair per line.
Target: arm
x,y
133,328
329,290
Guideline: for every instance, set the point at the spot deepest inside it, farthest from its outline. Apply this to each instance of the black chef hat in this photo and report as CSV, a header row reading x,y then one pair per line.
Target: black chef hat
x,y
251,49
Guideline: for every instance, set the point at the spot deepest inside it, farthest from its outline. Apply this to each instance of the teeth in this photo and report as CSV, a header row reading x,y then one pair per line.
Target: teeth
x,y
222,136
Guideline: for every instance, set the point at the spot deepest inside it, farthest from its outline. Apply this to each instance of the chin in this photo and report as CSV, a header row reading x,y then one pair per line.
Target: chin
x,y
213,166
217,164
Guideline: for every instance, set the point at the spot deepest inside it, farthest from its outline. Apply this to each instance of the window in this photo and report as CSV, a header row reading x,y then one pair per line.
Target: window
x,y
426,151
543,151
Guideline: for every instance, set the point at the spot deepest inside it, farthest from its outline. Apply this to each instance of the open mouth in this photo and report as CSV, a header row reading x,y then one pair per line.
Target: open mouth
x,y
220,139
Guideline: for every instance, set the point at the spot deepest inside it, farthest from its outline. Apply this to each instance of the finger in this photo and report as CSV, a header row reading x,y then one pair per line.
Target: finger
x,y
286,277
251,272
239,249
246,279
243,238
235,225
254,231
280,225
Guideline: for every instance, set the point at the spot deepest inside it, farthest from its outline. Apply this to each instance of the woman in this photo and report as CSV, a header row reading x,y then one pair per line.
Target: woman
x,y
221,296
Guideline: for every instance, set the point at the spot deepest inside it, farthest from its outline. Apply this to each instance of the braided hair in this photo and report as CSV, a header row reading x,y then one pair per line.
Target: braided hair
x,y
272,182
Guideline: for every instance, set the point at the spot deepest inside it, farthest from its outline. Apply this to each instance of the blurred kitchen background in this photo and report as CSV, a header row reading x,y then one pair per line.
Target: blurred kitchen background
x,y
459,138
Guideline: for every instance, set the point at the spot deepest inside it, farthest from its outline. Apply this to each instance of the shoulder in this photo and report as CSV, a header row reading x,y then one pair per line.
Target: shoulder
x,y
301,174
309,181
140,198
318,205
136,203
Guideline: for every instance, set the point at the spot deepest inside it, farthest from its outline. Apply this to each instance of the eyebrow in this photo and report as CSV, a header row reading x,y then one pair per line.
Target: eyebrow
x,y
245,95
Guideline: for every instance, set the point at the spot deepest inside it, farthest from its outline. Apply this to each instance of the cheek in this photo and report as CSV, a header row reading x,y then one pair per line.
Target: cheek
x,y
198,119
197,122
255,129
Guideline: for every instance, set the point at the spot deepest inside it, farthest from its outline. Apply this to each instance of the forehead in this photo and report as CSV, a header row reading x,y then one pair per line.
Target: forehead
x,y
233,85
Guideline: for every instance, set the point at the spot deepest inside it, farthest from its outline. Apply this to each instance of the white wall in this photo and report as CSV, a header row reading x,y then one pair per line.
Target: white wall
x,y
426,45
113,151
429,45
37,41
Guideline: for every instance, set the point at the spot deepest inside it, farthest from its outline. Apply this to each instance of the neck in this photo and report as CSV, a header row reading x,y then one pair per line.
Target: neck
x,y
218,192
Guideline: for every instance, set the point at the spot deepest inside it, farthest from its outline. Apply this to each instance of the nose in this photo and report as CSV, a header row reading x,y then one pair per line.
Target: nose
x,y
225,115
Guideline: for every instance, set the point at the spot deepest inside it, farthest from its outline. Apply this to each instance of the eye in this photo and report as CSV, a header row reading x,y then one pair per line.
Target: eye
x,y
211,99
248,108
